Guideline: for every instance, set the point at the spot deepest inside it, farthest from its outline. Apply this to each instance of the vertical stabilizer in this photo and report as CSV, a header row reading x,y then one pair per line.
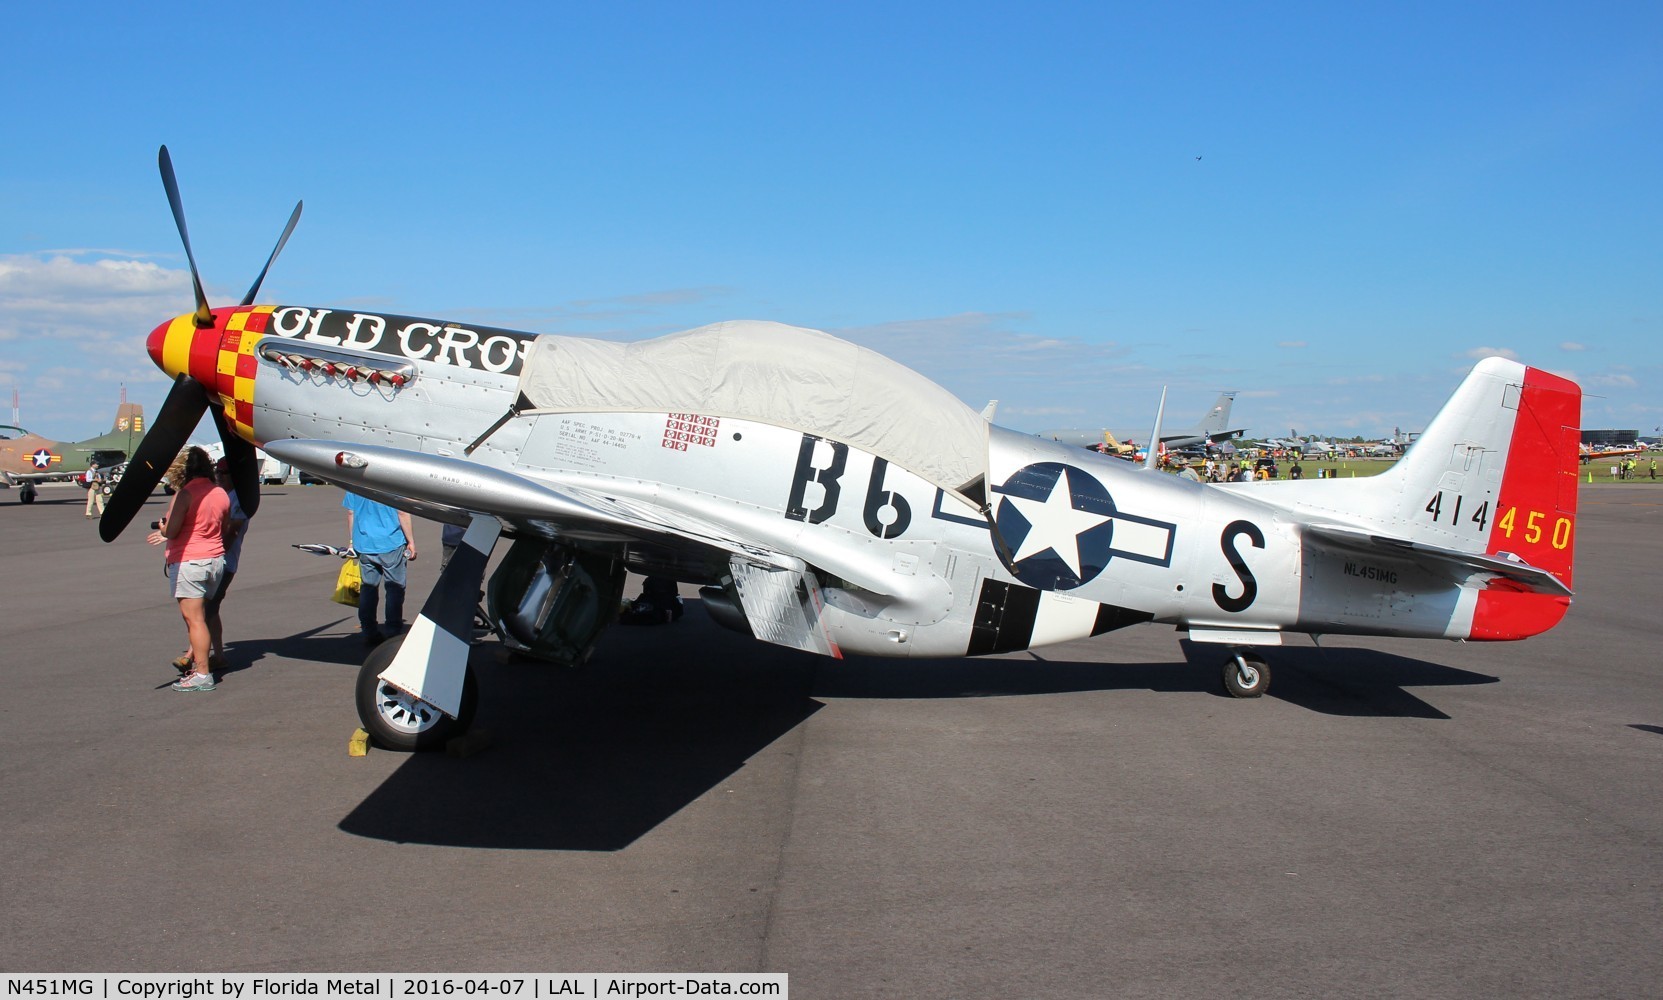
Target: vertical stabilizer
x,y
1495,472
128,417
1217,420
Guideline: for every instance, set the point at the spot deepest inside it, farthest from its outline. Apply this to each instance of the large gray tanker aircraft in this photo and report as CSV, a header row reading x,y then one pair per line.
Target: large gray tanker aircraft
x,y
828,499
1212,429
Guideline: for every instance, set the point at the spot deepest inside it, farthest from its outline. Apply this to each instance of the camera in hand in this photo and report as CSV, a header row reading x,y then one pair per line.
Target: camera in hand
x,y
155,525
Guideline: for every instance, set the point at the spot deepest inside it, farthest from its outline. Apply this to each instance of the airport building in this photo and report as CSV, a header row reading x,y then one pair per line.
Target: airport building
x,y
1610,438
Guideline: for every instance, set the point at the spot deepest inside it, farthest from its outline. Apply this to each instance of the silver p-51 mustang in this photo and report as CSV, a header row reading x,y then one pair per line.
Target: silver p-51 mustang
x,y
828,499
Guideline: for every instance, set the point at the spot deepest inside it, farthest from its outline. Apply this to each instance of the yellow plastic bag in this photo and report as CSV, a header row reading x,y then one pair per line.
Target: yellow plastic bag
x,y
346,585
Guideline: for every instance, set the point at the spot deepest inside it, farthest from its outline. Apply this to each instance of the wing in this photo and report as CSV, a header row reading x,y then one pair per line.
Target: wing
x,y
19,478
780,590
450,489
780,593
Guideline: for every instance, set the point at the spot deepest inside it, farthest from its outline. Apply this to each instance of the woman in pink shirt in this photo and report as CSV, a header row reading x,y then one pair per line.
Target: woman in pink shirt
x,y
194,532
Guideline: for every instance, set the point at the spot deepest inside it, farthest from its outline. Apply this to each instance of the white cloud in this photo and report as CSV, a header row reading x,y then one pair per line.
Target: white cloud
x,y
1571,345
982,356
1478,353
59,308
1041,411
649,301
65,297
1292,343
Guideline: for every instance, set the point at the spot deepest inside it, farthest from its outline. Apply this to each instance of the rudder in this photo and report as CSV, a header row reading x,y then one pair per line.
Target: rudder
x,y
1536,508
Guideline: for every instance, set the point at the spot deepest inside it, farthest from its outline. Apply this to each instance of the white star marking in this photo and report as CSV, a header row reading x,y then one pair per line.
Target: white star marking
x,y
1056,525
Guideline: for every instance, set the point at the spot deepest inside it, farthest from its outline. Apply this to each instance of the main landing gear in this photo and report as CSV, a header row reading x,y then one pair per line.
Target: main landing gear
x,y
547,602
1246,675
395,719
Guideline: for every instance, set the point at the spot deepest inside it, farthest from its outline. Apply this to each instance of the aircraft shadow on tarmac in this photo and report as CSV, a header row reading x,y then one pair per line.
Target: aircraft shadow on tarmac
x,y
1348,681
591,759
46,499
324,644
594,758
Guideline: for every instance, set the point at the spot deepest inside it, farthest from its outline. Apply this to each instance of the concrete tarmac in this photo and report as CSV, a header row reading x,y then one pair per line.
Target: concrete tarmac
x,y
1402,818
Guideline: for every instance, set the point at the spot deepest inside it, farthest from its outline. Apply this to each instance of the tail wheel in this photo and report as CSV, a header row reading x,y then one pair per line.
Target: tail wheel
x,y
397,721
1246,675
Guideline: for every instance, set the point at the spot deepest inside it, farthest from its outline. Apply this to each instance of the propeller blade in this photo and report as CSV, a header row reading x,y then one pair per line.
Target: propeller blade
x,y
181,412
204,316
245,464
254,289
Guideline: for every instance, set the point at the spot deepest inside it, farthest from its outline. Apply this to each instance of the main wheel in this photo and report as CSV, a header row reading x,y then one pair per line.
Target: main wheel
x,y
397,721
27,495
1246,675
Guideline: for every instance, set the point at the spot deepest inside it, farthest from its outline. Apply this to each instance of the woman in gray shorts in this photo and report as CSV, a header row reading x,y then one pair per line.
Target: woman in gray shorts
x,y
194,531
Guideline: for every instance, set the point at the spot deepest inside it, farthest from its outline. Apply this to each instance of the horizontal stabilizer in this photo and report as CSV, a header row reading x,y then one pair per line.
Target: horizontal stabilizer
x,y
1530,577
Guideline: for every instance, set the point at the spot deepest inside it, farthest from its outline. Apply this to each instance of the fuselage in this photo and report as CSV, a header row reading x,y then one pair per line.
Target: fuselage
x,y
1066,544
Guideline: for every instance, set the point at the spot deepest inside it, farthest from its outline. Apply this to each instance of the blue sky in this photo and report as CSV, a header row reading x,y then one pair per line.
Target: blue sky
x,y
1005,197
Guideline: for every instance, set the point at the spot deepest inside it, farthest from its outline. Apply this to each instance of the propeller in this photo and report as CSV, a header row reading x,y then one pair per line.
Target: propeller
x,y
181,412
204,316
254,289
187,400
245,464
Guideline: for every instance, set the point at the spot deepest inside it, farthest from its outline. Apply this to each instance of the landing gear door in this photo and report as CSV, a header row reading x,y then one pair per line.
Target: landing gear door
x,y
783,605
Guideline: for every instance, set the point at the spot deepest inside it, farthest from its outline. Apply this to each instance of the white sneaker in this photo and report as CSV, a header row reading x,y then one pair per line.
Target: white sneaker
x,y
194,681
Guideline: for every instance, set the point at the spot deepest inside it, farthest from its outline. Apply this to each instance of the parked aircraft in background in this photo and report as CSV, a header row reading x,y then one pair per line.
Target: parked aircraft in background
x,y
27,460
1591,453
1212,429
827,499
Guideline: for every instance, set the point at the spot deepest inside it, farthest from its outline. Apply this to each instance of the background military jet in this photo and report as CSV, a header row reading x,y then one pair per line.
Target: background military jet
x,y
26,459
1212,429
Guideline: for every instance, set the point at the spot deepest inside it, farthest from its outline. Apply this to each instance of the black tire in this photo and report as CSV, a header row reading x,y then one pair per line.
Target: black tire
x,y
27,496
394,720
1252,686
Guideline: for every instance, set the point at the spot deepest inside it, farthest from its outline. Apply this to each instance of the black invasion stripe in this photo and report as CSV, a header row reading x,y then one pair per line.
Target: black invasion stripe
x,y
1110,618
1005,614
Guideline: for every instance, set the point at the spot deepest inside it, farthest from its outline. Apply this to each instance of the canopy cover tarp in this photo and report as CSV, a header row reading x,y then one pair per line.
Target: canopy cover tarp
x,y
771,373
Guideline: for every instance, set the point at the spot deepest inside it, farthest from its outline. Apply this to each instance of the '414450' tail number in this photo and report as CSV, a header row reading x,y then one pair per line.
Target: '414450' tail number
x,y
1532,526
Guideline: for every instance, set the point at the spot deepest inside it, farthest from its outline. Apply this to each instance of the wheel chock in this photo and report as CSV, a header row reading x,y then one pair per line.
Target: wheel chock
x,y
359,744
468,744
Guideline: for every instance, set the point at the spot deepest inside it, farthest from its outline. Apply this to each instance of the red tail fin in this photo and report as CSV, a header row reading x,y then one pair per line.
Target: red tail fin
x,y
1536,507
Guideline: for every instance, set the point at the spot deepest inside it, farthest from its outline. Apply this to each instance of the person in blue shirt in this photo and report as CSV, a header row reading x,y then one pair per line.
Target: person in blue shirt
x,y
384,541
